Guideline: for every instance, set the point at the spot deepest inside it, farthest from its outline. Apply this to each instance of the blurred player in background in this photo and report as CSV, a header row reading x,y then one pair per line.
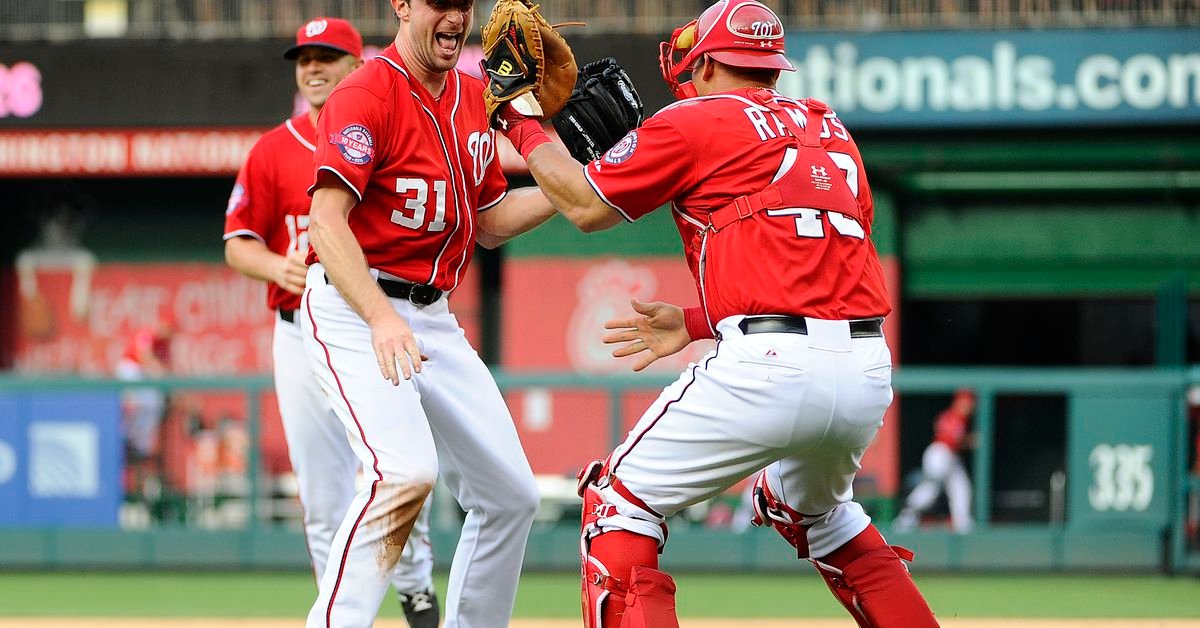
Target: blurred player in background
x,y
266,238
772,203
147,356
407,183
942,468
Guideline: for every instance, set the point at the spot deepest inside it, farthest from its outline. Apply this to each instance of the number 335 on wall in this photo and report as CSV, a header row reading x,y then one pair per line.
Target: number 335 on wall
x,y
20,90
1121,477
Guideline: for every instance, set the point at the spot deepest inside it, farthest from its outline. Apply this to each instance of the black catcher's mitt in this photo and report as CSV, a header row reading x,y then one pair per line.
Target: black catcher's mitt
x,y
603,107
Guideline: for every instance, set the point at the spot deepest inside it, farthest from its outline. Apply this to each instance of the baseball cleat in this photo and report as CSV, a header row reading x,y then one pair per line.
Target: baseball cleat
x,y
421,608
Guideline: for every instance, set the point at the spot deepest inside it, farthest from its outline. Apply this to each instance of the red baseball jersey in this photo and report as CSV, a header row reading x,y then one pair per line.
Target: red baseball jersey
x,y
420,166
950,428
811,258
270,200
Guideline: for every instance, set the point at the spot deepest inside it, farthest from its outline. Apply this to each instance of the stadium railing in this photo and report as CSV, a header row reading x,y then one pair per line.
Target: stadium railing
x,y
208,19
248,523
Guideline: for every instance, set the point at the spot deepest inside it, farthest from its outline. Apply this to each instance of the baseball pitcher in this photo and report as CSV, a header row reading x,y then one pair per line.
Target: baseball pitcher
x,y
266,237
407,182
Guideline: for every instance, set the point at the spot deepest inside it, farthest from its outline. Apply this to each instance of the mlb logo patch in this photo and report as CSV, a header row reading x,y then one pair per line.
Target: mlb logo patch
x,y
354,143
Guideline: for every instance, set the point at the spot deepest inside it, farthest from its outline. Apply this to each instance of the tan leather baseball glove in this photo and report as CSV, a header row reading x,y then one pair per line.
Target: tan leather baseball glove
x,y
526,61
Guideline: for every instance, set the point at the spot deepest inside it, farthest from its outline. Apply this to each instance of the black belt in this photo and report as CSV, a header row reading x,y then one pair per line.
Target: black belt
x,y
864,328
287,316
415,293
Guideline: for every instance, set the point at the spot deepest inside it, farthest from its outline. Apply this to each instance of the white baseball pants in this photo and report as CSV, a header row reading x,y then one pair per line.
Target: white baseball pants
x,y
449,418
325,465
803,406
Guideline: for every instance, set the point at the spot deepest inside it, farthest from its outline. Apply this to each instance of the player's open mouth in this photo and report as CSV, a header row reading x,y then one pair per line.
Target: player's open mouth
x,y
315,82
448,42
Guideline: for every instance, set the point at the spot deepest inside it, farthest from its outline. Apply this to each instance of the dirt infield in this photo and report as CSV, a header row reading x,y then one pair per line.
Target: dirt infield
x,y
119,622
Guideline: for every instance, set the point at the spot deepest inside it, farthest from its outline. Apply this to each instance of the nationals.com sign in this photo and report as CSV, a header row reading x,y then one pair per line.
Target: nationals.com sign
x,y
1133,76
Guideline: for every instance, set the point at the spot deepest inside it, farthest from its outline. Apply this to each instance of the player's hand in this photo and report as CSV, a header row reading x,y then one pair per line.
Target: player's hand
x,y
291,272
396,349
657,330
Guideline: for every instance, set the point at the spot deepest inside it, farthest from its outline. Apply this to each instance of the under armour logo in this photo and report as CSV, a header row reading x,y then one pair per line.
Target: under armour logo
x,y
819,171
770,353
315,27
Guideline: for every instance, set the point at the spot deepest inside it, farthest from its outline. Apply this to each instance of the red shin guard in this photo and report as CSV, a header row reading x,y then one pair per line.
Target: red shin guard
x,y
622,587
870,579
650,602
613,559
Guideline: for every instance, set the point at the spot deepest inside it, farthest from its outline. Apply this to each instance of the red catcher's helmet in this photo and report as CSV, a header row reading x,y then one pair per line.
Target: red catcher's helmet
x,y
741,33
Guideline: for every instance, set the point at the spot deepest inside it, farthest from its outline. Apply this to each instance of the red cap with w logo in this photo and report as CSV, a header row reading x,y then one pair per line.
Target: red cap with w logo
x,y
327,32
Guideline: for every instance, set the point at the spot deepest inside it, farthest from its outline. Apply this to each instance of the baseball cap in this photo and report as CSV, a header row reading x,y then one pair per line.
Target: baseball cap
x,y
327,32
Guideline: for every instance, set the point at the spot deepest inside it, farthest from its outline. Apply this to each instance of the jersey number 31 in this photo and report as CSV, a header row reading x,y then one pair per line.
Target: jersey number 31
x,y
414,212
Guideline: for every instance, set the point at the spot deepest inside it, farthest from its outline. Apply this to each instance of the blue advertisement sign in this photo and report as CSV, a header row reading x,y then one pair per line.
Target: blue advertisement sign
x,y
60,459
1018,78
12,459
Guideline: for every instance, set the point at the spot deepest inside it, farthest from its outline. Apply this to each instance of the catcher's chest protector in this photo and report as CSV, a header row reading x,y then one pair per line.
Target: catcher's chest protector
x,y
814,180
800,245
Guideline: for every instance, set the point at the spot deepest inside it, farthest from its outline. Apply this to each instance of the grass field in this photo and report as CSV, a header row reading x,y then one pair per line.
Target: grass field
x,y
724,600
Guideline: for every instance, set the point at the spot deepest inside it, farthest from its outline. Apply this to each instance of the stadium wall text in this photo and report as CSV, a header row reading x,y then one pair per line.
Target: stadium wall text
x,y
875,80
125,152
1004,78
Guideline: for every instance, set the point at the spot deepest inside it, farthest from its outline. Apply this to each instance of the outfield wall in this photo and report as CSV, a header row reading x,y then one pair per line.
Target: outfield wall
x,y
1125,505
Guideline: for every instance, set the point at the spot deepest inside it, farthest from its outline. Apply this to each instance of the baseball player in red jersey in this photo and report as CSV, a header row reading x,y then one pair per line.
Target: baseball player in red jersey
x,y
407,182
266,237
772,202
942,467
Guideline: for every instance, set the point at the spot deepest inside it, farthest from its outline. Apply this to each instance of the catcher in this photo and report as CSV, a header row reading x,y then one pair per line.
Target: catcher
x,y
775,213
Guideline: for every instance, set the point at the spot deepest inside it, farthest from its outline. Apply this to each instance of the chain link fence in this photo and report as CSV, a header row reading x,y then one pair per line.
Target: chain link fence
x,y
58,20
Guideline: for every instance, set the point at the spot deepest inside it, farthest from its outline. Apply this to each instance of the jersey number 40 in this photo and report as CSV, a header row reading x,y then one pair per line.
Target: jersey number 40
x,y
808,220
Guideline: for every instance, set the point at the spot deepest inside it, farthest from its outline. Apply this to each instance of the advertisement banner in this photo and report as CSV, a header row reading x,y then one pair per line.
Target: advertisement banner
x,y
13,494
81,320
60,459
1017,78
570,317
